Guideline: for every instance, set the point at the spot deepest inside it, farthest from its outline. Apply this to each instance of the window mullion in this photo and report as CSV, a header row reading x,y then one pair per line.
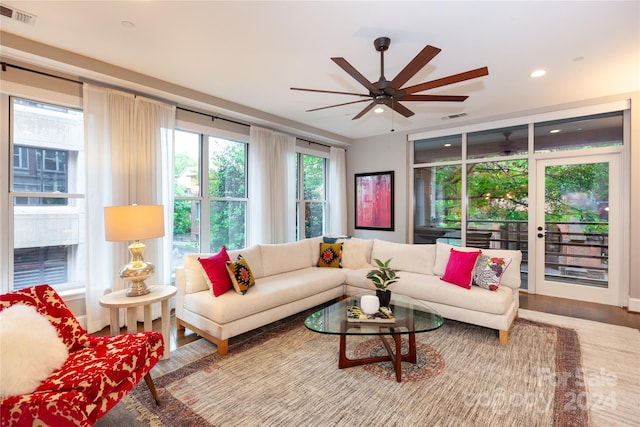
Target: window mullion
x,y
205,202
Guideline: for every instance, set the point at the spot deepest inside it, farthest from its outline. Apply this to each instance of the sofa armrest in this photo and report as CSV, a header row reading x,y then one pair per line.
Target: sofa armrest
x,y
51,408
181,286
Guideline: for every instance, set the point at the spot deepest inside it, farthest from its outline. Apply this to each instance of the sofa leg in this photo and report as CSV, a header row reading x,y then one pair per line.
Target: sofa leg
x,y
223,347
179,325
504,337
152,388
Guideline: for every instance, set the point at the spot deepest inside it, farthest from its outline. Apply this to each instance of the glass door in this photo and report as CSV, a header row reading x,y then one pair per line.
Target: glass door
x,y
577,228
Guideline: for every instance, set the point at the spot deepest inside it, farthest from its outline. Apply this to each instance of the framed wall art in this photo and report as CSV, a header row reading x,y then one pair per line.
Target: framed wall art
x,y
374,201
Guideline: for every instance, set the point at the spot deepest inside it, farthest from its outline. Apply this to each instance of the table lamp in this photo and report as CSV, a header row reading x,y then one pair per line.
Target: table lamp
x,y
132,224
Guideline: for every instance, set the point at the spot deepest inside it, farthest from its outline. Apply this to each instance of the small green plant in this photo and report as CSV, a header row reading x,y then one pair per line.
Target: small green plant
x,y
383,276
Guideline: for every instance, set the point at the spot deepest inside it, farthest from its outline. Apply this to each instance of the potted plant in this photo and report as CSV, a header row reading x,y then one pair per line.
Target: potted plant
x,y
382,277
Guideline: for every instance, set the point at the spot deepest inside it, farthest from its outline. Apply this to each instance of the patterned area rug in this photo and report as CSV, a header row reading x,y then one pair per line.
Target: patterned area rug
x,y
286,375
429,362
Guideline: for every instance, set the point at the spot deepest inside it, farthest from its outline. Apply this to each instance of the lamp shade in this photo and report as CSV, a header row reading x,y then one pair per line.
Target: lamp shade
x,y
136,222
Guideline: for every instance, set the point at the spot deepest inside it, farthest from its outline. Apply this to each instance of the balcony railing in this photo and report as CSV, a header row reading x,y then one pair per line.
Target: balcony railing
x,y
572,252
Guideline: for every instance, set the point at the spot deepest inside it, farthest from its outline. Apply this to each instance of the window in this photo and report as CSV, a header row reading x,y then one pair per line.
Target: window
x,y
210,194
47,193
438,204
447,148
603,130
310,195
473,188
498,142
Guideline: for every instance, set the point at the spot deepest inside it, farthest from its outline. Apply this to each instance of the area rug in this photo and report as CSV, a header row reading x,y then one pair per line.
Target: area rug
x,y
286,375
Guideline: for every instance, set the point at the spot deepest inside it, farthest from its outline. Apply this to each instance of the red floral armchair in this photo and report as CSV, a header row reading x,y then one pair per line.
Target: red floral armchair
x,y
98,372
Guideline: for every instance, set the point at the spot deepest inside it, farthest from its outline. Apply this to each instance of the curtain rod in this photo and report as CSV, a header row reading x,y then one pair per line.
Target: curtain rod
x,y
243,124
212,116
42,73
4,66
313,142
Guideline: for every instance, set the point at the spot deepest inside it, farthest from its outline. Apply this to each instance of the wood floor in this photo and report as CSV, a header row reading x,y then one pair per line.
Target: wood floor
x,y
564,307
581,310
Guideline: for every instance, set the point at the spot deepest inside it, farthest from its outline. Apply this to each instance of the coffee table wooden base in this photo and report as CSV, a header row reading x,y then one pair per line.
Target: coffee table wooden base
x,y
396,357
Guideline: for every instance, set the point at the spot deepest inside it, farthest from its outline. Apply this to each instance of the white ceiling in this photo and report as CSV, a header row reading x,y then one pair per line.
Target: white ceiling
x,y
251,53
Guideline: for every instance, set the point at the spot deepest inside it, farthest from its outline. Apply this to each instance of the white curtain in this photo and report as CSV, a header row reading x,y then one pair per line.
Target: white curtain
x,y
337,192
129,155
271,210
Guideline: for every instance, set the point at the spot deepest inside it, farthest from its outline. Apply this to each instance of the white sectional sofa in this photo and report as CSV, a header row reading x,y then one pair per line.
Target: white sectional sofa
x,y
288,281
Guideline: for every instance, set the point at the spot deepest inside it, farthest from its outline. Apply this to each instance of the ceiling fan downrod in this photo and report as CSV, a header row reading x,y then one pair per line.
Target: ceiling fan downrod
x,y
381,44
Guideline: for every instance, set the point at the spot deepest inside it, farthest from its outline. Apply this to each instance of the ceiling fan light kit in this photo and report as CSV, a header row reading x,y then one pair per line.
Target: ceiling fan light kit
x,y
389,93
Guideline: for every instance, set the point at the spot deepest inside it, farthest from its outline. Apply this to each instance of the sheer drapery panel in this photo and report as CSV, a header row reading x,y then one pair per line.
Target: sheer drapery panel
x,y
129,150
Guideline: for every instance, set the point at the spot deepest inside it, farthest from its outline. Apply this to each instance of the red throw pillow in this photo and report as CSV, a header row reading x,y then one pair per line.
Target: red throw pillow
x,y
215,268
459,269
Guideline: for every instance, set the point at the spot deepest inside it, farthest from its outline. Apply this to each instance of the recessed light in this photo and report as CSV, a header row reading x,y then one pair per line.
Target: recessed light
x,y
447,145
554,131
538,73
378,110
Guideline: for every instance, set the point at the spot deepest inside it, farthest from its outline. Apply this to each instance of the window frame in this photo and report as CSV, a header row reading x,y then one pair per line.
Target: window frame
x,y
301,202
203,198
78,280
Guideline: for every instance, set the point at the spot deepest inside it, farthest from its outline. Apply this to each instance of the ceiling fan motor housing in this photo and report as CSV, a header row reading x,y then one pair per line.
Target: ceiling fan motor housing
x,y
382,43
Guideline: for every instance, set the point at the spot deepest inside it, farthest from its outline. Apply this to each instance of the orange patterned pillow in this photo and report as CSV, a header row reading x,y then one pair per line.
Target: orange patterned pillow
x,y
330,255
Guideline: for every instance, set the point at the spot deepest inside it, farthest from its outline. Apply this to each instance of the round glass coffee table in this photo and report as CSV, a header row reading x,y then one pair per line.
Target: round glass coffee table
x,y
409,318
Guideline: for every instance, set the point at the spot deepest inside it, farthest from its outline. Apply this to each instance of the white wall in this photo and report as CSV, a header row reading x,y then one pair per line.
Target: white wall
x,y
378,154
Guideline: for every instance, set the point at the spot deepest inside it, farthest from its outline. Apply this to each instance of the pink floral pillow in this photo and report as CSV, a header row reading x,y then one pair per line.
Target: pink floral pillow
x,y
489,270
459,270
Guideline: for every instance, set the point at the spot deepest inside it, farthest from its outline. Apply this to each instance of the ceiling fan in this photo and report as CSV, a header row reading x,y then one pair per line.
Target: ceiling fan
x,y
390,92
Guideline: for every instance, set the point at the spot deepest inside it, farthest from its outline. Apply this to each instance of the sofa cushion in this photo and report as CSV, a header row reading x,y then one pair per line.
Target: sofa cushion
x,y
269,292
253,256
511,276
194,274
283,257
314,244
459,270
215,272
334,239
488,271
356,253
240,274
404,256
432,289
31,350
330,255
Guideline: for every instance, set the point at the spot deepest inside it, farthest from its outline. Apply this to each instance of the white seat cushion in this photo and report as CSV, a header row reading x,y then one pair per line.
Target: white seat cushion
x,y
267,293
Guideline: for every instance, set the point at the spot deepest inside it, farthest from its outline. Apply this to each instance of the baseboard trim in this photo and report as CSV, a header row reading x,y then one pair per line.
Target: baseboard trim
x,y
634,305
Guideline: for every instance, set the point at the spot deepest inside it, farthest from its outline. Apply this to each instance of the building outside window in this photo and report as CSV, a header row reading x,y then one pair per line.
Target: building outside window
x,y
210,194
47,194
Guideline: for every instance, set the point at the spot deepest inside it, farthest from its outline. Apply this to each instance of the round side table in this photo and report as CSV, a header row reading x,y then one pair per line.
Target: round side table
x,y
119,299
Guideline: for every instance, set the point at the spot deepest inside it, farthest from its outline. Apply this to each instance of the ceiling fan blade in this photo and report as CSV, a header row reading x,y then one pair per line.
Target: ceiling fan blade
x,y
455,78
365,111
342,63
330,91
443,98
337,105
399,108
416,64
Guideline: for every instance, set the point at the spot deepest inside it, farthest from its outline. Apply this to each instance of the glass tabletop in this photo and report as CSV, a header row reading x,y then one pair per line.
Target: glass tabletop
x,y
411,316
